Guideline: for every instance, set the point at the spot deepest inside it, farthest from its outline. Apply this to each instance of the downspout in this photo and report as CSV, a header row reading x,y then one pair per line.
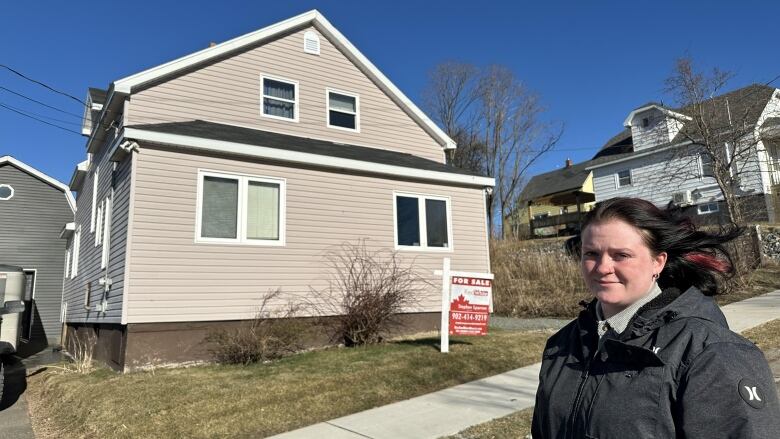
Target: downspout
x,y
128,147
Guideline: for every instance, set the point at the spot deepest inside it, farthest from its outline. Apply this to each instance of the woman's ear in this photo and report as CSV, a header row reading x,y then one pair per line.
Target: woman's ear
x,y
659,261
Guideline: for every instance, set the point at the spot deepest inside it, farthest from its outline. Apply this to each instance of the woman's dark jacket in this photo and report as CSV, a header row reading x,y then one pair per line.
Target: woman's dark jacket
x,y
677,371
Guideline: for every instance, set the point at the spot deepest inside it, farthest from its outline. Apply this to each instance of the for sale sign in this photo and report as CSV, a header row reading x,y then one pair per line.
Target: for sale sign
x,y
469,305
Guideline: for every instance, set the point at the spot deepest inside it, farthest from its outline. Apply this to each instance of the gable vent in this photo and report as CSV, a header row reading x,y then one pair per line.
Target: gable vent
x,y
311,43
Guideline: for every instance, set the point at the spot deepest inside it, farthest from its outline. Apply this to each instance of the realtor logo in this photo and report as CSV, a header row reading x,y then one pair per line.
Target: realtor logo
x,y
749,392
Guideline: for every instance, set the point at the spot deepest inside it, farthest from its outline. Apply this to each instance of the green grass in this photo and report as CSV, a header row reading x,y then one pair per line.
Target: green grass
x,y
265,399
514,426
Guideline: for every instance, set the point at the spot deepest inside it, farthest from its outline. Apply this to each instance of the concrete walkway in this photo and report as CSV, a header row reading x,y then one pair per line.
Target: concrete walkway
x,y
452,410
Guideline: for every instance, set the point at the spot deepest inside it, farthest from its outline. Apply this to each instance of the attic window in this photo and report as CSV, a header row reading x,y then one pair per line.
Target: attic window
x,y
311,43
280,98
6,192
645,122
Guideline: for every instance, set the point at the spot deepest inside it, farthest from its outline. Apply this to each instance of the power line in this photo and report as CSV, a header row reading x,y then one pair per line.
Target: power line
x,y
43,85
39,102
69,122
39,120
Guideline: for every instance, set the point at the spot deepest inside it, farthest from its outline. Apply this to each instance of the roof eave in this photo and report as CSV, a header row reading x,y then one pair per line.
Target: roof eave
x,y
251,150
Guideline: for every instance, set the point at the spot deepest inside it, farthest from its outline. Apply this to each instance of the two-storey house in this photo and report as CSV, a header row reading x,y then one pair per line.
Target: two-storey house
x,y
231,172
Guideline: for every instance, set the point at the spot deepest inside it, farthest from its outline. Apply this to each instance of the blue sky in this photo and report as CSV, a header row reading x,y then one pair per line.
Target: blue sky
x,y
591,62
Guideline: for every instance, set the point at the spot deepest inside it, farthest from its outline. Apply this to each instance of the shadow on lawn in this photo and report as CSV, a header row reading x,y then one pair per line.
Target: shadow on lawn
x,y
432,342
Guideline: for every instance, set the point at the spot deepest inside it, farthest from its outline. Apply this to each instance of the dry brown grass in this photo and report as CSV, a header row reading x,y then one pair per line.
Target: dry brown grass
x,y
514,426
534,280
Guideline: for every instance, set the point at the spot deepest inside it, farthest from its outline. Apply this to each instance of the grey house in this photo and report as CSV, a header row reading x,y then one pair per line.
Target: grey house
x,y
34,207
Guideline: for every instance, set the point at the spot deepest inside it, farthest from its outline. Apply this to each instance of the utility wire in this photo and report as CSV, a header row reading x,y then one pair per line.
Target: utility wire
x,y
39,102
69,122
39,120
43,85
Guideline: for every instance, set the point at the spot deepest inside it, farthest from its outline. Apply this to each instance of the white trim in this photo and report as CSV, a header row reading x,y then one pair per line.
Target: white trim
x,y
95,187
126,84
67,230
636,156
295,102
666,111
76,245
40,175
306,158
423,222
243,182
12,192
126,286
106,229
356,96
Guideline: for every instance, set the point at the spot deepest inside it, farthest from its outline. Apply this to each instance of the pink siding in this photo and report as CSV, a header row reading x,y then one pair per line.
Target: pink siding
x,y
228,92
175,279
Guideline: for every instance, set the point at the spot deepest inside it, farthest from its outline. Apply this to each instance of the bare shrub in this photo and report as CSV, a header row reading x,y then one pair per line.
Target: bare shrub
x,y
535,281
80,350
262,338
367,291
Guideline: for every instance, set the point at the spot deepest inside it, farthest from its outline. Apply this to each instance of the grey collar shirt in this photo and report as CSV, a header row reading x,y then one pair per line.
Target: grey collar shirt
x,y
619,321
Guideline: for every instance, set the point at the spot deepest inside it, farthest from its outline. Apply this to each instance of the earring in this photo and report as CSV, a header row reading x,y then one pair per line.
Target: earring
x,y
655,276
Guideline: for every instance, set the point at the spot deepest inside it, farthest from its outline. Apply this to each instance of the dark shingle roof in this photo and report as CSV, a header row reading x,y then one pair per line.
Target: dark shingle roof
x,y
249,136
97,95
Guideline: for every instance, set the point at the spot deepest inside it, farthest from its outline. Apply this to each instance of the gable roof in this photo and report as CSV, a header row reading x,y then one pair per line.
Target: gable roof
x,y
51,181
199,134
314,18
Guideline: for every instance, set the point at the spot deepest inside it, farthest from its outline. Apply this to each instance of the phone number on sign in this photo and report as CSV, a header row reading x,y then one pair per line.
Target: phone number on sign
x,y
469,317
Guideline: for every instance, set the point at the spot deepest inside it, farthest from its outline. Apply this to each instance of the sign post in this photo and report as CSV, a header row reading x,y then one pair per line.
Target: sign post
x,y
466,302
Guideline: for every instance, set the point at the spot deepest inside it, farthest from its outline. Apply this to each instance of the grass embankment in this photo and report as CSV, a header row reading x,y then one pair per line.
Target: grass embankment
x,y
537,279
518,424
265,399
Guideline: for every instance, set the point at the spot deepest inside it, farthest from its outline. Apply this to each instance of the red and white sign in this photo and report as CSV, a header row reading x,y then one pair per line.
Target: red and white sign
x,y
469,305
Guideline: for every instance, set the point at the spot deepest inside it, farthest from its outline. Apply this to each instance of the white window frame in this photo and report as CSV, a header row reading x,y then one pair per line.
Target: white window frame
x,y
66,275
95,180
423,222
243,183
711,203
74,270
328,91
295,102
99,225
617,178
701,167
12,192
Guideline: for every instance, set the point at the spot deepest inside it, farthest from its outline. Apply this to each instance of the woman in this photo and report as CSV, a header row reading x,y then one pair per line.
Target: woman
x,y
652,356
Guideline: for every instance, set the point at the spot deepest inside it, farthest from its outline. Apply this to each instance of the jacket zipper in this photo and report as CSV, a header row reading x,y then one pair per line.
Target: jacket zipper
x,y
573,415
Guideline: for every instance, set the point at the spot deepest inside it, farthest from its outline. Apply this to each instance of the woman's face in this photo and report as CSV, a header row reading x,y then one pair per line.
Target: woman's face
x,y
617,265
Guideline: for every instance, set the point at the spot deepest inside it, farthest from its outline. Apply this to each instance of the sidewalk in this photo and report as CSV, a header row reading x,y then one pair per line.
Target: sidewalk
x,y
452,410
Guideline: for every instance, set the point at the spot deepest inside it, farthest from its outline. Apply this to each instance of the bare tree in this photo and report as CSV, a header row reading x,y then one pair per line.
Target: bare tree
x,y
514,136
450,98
723,133
496,123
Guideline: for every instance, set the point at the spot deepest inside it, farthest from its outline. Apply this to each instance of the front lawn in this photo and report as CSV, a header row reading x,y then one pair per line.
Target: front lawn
x,y
265,399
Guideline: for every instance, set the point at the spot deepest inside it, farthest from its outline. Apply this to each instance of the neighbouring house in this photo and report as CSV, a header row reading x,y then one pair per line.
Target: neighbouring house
x,y
36,210
650,158
231,172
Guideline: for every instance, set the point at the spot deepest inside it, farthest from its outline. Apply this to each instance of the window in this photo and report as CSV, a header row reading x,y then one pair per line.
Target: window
x,y
708,208
6,192
99,225
342,110
28,316
67,263
623,178
95,179
645,122
706,166
422,222
280,98
240,209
